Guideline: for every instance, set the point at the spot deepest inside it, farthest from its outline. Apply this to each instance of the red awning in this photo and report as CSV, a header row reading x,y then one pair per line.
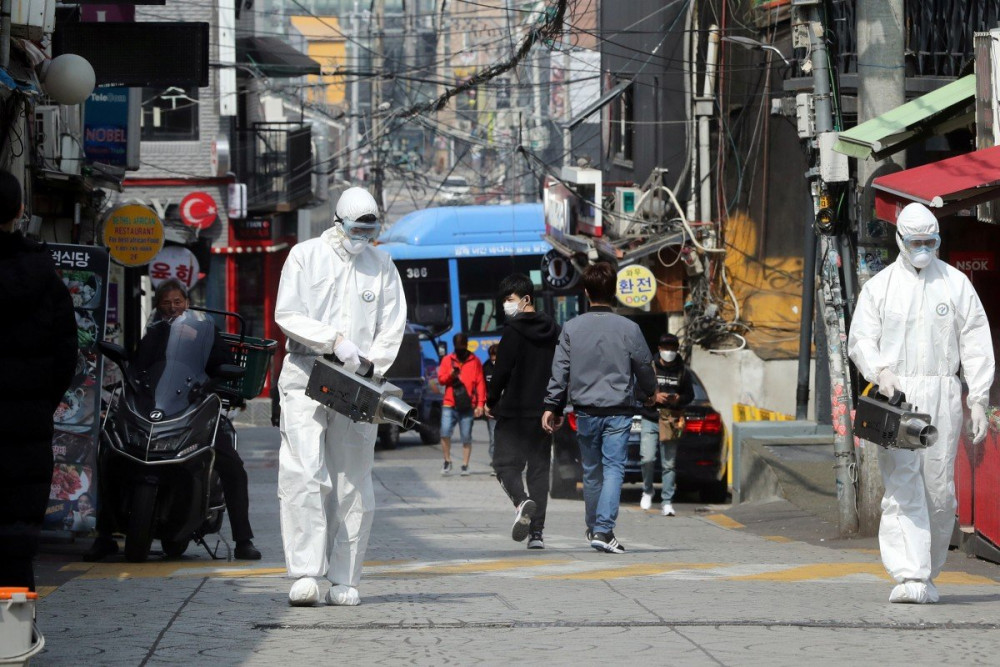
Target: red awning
x,y
945,187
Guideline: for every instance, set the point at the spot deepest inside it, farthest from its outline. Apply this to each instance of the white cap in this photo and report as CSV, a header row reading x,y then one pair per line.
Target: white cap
x,y
916,219
354,203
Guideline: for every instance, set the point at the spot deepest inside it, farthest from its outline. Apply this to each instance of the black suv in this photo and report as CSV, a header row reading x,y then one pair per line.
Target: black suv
x,y
700,459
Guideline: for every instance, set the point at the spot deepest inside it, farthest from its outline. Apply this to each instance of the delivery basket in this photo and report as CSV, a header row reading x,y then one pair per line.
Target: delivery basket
x,y
253,354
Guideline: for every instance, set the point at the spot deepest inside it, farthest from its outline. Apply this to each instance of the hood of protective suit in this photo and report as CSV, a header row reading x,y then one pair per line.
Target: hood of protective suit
x,y
535,326
914,219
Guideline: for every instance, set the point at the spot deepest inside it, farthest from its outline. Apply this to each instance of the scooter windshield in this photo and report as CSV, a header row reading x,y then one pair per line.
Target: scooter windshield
x,y
171,361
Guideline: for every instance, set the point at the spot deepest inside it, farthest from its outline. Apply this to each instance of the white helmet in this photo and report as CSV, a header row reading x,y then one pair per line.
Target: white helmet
x,y
357,211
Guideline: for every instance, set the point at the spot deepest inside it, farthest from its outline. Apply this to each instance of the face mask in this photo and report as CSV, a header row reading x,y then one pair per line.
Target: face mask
x,y
668,355
353,246
512,308
921,259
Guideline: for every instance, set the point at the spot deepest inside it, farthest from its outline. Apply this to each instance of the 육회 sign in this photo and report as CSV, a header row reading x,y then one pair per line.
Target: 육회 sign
x,y
133,234
175,262
636,286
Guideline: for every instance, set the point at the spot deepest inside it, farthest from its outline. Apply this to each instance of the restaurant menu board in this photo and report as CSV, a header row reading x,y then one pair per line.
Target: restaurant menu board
x,y
73,496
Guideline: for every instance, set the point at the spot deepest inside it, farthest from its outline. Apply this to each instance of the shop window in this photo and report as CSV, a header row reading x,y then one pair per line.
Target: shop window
x,y
250,295
170,114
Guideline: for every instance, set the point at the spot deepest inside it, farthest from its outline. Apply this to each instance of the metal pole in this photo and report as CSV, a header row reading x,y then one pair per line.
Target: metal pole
x,y
881,88
832,297
805,331
354,135
5,34
376,126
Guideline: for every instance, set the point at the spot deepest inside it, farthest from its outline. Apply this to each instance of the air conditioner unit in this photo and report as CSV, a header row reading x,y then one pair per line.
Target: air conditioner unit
x,y
47,132
32,18
626,215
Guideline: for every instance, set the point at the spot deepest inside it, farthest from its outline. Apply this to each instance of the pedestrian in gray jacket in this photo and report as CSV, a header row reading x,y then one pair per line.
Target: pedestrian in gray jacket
x,y
600,363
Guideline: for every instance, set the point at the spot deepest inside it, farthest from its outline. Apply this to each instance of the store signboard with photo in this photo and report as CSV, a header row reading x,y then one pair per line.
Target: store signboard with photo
x,y
73,497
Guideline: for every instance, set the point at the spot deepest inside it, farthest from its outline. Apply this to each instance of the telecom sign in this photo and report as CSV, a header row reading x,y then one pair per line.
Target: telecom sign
x,y
133,234
636,286
110,127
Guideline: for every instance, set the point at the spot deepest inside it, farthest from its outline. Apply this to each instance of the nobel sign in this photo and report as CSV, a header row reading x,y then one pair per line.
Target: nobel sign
x,y
133,235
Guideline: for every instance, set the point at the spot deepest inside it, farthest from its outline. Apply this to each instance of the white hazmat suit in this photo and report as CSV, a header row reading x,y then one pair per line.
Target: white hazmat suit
x,y
336,293
911,330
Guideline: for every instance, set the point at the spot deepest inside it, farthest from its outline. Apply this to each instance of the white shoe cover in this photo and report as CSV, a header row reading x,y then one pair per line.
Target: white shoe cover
x,y
343,596
304,593
913,592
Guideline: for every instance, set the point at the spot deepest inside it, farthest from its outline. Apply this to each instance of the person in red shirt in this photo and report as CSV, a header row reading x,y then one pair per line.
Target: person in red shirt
x,y
463,371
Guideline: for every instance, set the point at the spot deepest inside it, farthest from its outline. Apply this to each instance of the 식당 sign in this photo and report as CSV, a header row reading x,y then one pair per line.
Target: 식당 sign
x,y
174,262
133,235
636,286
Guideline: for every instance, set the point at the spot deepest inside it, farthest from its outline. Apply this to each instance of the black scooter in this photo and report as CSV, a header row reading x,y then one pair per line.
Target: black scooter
x,y
157,456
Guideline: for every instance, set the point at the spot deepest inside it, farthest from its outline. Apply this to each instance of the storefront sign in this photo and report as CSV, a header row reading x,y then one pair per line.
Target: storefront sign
x,y
199,210
636,286
111,127
974,260
252,229
558,272
133,234
175,262
73,496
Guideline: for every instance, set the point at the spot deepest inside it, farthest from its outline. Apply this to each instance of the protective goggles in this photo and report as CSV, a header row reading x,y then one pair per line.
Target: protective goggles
x,y
365,228
917,242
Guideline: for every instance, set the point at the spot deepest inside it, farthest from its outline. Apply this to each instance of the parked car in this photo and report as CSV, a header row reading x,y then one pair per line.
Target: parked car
x,y
700,452
416,374
455,191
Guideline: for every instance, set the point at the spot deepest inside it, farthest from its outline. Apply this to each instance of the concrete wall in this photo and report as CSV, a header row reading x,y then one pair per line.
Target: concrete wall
x,y
743,377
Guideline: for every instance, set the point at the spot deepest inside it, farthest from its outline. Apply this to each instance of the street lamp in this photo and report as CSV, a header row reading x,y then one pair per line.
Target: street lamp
x,y
68,79
750,43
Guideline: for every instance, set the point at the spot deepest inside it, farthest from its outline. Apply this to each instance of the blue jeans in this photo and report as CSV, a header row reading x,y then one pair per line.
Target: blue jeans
x,y
648,442
603,451
450,417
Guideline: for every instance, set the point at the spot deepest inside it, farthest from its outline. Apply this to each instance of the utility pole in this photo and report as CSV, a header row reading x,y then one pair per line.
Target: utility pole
x,y
375,142
881,88
831,301
353,134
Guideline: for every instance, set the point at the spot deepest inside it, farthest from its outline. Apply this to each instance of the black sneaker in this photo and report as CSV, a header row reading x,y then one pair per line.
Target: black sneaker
x,y
245,550
522,520
446,468
536,541
465,471
608,543
102,547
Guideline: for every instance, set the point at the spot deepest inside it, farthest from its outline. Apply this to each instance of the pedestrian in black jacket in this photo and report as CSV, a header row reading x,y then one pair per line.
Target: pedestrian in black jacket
x,y
514,398
38,351
663,422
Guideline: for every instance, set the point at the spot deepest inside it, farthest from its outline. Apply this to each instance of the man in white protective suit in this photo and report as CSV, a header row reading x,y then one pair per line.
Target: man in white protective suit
x,y
337,294
915,323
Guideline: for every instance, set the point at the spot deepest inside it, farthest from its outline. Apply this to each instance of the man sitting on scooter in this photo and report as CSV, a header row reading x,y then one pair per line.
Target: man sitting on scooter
x,y
171,300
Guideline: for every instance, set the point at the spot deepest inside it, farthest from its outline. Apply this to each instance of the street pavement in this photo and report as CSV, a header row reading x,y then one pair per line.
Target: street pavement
x,y
444,584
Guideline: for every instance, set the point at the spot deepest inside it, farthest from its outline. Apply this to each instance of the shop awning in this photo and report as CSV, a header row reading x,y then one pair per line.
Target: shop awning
x,y
275,58
937,112
599,104
945,187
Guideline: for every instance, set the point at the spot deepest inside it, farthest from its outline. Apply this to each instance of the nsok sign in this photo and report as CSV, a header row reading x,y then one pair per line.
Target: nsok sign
x,y
973,261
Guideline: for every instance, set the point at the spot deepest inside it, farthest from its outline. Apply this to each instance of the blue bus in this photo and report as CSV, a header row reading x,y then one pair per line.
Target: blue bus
x,y
451,260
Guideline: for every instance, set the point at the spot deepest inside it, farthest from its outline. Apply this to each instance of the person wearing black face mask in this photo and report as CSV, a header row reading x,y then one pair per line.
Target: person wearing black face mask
x,y
464,398
663,422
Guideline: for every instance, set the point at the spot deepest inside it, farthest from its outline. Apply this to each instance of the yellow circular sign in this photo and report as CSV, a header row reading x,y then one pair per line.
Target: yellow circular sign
x,y
133,234
636,286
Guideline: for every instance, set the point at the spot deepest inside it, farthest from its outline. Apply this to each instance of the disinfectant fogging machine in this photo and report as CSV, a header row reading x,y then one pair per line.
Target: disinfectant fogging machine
x,y
363,395
892,422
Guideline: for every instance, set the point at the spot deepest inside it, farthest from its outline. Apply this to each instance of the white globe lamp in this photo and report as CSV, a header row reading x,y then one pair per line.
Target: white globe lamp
x,y
68,79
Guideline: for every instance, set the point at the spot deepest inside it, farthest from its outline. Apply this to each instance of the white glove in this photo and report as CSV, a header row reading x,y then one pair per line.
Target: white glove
x,y
887,383
979,423
349,354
